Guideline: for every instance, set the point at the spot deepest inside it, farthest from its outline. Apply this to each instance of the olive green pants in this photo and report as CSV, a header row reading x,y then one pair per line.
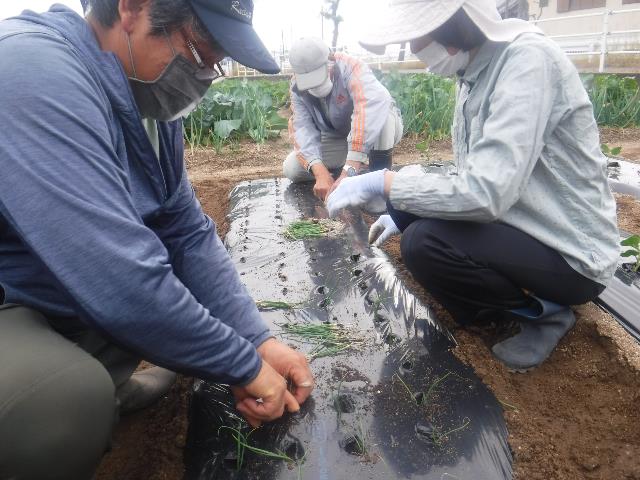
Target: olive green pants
x,y
57,397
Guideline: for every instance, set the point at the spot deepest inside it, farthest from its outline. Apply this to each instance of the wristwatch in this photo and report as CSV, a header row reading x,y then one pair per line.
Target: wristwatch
x,y
351,172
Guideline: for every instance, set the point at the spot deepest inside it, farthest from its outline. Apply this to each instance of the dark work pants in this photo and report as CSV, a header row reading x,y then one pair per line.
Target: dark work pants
x,y
473,267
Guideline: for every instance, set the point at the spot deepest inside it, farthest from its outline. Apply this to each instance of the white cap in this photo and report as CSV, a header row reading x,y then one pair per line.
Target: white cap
x,y
309,58
406,20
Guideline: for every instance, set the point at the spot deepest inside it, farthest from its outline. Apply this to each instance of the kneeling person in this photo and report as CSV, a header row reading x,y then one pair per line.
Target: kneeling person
x,y
342,117
527,226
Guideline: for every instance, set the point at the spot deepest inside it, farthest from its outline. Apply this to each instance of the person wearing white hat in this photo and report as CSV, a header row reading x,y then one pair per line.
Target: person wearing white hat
x,y
342,117
527,225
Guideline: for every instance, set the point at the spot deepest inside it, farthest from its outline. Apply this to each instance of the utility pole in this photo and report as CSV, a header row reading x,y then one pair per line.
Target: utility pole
x,y
330,12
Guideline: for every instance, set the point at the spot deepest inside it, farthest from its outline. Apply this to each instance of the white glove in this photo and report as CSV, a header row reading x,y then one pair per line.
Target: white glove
x,y
383,229
356,191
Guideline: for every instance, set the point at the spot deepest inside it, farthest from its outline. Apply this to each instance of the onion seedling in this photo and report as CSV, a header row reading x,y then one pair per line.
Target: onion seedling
x,y
242,445
274,305
327,339
305,229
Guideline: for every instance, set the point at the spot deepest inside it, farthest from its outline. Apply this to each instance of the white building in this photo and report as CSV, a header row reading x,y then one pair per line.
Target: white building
x,y
600,35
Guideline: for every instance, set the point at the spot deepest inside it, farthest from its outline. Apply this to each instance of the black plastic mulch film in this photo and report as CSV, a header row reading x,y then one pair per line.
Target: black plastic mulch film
x,y
622,296
399,405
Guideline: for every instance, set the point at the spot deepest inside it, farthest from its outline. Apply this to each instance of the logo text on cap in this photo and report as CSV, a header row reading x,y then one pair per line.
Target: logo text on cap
x,y
235,5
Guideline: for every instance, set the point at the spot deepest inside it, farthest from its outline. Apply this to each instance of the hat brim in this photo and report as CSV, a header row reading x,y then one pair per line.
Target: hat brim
x,y
487,18
239,40
313,79
406,21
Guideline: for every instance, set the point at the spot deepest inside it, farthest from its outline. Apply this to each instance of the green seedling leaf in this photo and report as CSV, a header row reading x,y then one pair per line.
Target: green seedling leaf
x,y
629,253
616,151
632,241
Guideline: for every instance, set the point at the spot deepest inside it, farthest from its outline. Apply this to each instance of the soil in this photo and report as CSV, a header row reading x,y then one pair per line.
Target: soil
x,y
575,417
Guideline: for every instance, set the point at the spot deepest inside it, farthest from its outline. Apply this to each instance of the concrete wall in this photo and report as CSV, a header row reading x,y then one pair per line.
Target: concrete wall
x,y
618,63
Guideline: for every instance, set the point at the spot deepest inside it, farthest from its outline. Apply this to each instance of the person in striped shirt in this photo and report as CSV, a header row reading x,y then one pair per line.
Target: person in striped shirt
x,y
342,118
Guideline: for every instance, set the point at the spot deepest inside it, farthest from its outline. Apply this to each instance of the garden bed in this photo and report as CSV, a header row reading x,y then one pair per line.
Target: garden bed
x,y
575,418
405,407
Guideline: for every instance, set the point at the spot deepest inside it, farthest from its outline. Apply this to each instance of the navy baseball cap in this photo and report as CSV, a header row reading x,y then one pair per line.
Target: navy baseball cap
x,y
230,23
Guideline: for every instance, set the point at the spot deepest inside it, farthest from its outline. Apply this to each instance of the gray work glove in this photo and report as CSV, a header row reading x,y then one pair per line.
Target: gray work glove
x,y
382,230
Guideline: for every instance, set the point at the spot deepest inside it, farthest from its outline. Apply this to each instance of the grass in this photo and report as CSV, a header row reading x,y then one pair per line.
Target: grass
x,y
424,400
361,438
327,339
434,385
406,387
438,438
302,229
242,445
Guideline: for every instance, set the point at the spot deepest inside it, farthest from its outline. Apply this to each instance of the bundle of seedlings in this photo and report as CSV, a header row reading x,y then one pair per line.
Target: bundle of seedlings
x,y
327,339
302,229
312,228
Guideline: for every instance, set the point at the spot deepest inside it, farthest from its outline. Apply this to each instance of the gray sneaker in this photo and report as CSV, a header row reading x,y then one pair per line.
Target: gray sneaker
x,y
144,388
535,342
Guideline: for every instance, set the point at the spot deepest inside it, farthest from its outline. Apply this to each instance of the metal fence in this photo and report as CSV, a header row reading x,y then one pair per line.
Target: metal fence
x,y
604,34
412,63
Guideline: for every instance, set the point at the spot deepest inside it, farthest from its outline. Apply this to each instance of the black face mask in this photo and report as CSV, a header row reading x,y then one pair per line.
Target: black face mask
x,y
175,93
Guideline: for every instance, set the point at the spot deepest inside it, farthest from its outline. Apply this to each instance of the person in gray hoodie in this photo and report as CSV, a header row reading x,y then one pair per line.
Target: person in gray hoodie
x,y
527,225
106,256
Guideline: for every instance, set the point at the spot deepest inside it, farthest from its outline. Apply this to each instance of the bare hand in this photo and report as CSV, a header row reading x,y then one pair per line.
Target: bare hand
x,y
271,389
323,186
291,365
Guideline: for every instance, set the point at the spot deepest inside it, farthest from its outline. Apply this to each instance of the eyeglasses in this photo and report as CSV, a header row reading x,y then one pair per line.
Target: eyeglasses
x,y
204,72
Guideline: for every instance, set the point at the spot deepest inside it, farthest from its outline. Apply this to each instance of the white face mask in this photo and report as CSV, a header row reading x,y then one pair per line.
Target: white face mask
x,y
441,62
322,90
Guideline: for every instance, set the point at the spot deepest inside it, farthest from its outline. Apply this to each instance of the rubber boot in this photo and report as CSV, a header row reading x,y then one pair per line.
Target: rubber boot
x,y
541,328
144,388
379,160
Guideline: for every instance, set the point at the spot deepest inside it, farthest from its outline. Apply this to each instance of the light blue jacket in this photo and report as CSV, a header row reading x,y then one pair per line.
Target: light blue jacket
x,y
527,149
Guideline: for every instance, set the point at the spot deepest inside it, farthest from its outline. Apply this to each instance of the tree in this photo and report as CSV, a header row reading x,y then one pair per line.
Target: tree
x,y
330,12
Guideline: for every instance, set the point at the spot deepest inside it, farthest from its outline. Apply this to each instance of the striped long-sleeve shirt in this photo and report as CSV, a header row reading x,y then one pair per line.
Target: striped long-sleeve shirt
x,y
357,108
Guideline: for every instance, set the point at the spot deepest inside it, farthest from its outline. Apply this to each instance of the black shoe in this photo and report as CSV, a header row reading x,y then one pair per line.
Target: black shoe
x,y
144,388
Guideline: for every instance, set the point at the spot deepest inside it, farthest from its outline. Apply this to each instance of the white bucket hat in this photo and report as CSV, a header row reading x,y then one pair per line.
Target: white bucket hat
x,y
406,20
309,58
